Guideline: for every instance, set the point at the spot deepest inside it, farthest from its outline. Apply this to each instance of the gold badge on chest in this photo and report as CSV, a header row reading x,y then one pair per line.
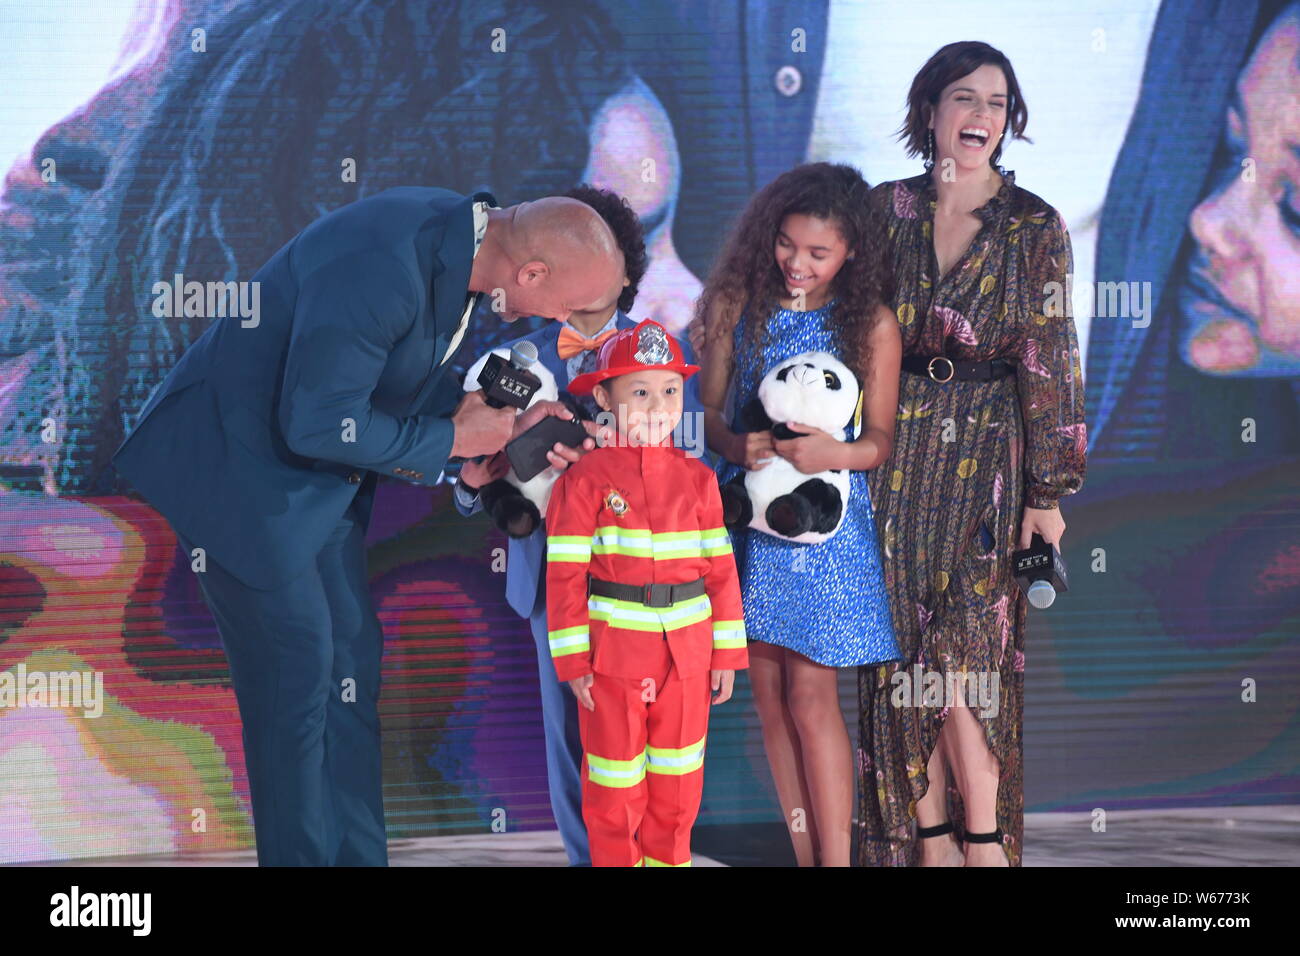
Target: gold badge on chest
x,y
616,503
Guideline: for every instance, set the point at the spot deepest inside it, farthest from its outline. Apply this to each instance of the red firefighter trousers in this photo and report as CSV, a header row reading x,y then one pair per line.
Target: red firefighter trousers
x,y
643,766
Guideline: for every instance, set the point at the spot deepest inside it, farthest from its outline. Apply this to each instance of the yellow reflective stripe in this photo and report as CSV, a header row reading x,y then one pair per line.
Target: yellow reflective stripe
x,y
569,640
728,634
669,550
657,545
676,535
675,761
715,541
676,544
633,542
651,861
568,547
685,613
624,614
618,531
634,616
616,773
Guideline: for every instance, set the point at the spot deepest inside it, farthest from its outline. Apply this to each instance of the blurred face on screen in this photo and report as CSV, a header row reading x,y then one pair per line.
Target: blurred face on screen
x,y
630,133
1241,301
969,117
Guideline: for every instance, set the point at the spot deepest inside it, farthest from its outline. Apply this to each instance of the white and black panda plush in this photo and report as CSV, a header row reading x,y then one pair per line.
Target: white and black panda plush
x,y
518,507
813,388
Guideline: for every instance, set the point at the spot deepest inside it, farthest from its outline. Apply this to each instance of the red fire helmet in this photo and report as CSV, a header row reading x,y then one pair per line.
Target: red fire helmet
x,y
648,346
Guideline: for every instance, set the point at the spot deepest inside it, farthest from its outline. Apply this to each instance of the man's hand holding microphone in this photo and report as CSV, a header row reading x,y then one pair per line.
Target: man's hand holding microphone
x,y
487,418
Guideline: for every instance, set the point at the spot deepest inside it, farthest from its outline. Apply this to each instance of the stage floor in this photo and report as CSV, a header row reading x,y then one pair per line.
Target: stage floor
x,y
1211,836
1216,836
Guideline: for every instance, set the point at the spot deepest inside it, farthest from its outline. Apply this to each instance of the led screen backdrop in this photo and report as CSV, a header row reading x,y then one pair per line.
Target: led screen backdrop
x,y
161,138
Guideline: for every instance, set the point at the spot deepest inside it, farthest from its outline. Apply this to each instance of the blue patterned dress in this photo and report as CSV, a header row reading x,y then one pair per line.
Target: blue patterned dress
x,y
827,601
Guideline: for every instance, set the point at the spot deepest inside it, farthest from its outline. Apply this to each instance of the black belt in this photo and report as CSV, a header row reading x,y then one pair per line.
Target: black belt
x,y
651,595
940,368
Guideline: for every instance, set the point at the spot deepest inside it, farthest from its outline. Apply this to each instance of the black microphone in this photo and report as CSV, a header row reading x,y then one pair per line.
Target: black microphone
x,y
508,381
1040,572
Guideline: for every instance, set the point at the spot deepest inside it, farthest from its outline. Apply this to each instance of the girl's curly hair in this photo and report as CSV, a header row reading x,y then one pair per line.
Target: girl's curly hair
x,y
746,279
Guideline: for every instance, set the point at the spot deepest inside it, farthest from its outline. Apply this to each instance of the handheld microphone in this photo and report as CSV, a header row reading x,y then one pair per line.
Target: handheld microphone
x,y
509,381
1040,572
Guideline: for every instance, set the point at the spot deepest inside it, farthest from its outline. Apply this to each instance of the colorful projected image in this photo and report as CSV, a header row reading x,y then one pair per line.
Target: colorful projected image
x,y
214,133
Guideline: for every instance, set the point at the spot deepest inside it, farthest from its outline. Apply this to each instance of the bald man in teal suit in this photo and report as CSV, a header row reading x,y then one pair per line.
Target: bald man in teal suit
x,y
263,445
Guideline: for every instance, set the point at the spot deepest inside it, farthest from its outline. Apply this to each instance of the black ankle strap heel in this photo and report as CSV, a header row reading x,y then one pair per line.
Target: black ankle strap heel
x,y
924,832
994,837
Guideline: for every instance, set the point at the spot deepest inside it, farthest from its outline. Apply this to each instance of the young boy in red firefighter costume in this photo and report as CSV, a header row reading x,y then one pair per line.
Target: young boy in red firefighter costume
x,y
643,606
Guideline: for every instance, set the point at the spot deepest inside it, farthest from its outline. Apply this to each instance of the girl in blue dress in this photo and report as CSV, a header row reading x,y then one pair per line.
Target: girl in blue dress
x,y
804,270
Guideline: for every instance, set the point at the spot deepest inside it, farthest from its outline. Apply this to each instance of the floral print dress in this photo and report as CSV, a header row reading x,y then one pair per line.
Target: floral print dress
x,y
968,457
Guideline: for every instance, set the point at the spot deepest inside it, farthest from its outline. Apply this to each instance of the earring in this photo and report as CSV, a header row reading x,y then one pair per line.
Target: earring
x,y
929,152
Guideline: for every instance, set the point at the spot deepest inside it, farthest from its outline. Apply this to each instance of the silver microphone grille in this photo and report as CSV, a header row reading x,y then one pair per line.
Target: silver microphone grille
x,y
1041,594
523,354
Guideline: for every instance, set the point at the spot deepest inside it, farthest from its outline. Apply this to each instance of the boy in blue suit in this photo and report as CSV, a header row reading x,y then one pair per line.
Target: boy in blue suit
x,y
262,448
567,349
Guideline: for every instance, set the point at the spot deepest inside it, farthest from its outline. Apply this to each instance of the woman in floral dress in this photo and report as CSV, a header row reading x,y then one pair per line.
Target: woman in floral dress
x,y
990,434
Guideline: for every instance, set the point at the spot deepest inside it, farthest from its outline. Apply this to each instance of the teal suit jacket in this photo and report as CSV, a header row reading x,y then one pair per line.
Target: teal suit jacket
x,y
260,438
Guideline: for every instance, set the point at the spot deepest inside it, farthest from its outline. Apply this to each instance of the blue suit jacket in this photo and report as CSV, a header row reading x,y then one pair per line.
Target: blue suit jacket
x,y
526,557
259,439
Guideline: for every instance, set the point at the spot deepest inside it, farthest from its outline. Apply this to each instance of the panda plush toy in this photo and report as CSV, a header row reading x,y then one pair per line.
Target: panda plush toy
x,y
812,388
518,507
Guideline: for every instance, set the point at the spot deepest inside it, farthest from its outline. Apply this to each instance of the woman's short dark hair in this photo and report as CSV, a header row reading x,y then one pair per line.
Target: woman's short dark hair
x,y
949,64
614,209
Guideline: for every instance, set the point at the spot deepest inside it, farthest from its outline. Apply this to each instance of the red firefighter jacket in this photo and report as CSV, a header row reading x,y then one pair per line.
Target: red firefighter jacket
x,y
640,515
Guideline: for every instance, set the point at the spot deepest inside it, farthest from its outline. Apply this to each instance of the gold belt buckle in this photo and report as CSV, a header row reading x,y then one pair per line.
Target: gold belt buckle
x,y
952,369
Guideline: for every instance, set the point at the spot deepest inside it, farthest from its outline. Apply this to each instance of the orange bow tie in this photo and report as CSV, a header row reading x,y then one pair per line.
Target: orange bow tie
x,y
572,342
